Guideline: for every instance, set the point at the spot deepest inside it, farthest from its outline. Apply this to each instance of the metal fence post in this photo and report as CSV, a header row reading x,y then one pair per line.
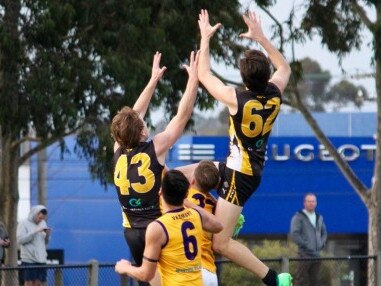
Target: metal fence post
x,y
124,280
285,264
58,277
378,269
93,273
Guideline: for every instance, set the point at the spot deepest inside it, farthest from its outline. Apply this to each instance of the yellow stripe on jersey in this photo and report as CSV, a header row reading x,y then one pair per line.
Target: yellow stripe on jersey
x,y
180,258
206,202
232,192
126,222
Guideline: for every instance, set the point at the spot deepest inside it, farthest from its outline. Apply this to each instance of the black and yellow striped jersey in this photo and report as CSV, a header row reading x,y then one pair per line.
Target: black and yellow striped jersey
x,y
137,177
250,127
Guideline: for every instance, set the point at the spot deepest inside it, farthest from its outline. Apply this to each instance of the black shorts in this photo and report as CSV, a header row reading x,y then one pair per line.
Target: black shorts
x,y
236,187
33,274
136,238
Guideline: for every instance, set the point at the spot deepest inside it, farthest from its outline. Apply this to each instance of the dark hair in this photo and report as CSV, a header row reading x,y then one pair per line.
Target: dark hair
x,y
126,128
44,211
255,70
206,175
174,187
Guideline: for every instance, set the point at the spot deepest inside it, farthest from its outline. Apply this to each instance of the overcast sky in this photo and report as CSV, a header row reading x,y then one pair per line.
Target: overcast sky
x,y
357,62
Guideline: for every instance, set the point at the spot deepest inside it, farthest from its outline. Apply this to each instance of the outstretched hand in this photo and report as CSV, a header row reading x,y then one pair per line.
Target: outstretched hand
x,y
157,71
206,30
192,67
254,27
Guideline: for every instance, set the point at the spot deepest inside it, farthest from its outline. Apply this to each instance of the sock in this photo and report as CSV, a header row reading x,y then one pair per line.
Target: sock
x,y
271,278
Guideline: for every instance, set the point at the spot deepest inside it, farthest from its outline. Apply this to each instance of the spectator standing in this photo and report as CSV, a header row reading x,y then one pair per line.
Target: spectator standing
x,y
309,232
4,242
33,235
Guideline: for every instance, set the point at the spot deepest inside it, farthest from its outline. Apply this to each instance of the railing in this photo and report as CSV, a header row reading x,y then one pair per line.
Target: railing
x,y
334,271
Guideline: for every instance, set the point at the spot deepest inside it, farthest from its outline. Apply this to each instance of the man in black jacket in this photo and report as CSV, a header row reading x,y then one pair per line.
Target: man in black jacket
x,y
309,232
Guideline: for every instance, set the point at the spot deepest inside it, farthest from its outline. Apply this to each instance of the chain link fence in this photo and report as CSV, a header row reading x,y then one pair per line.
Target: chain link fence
x,y
334,271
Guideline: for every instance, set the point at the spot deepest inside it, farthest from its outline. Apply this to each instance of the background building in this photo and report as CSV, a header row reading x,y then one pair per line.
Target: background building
x,y
86,218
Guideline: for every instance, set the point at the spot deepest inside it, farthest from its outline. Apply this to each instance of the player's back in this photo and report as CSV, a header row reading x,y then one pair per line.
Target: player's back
x,y
180,258
137,177
250,128
206,202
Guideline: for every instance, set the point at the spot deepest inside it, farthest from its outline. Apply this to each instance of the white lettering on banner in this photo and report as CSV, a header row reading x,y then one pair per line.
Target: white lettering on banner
x,y
301,152
306,152
196,152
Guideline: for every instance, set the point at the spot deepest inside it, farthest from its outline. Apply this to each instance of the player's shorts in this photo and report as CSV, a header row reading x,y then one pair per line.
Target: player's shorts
x,y
135,238
236,187
209,278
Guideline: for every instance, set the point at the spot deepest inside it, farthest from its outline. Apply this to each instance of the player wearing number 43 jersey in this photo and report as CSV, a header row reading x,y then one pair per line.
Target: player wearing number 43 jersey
x,y
138,163
173,241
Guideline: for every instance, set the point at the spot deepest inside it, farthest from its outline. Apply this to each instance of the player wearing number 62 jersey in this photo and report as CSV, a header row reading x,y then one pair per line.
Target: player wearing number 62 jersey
x,y
252,115
250,127
174,240
249,130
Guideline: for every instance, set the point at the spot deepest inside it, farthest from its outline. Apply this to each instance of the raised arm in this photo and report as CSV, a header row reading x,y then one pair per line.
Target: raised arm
x,y
283,71
164,140
141,105
216,88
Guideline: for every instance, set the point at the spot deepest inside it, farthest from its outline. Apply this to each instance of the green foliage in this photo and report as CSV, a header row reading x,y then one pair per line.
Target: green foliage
x,y
336,23
269,251
344,92
232,274
68,66
314,84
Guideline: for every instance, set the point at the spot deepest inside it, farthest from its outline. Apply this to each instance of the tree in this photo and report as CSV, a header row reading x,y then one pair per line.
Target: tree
x,y
344,91
67,66
314,84
339,24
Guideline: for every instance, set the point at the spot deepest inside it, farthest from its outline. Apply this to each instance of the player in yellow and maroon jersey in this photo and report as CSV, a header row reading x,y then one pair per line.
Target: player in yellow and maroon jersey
x,y
252,114
173,241
138,163
205,179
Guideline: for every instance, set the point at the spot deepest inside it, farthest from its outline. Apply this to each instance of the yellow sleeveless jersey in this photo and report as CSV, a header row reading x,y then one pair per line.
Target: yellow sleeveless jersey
x,y
180,258
206,202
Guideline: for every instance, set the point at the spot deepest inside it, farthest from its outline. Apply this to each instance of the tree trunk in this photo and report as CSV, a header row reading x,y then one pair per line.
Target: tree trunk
x,y
9,195
374,237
